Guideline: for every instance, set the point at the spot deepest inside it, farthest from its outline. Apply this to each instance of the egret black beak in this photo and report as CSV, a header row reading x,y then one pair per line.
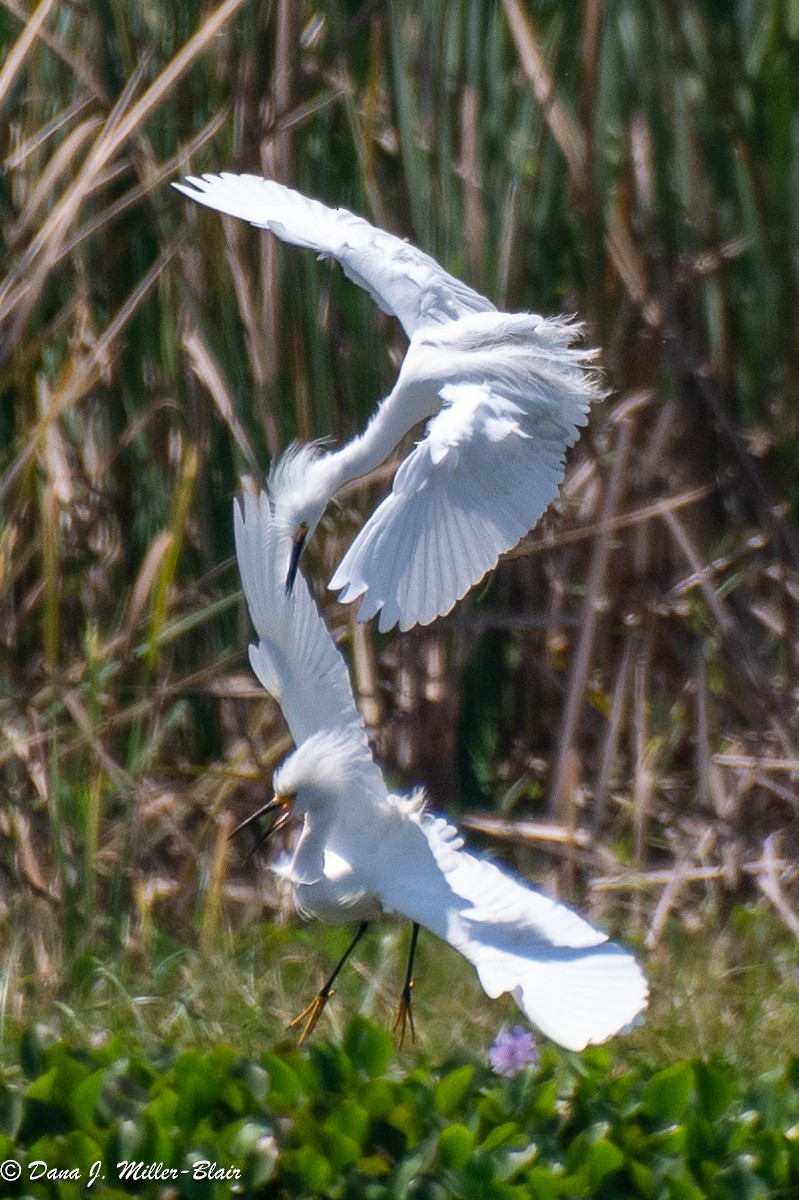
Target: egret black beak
x,y
282,805
294,560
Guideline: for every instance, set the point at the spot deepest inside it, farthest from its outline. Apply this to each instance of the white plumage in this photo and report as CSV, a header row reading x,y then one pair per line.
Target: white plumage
x,y
504,395
363,852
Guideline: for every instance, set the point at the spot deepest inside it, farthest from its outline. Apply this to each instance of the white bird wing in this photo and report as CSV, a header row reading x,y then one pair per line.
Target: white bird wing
x,y
490,464
402,280
566,976
295,659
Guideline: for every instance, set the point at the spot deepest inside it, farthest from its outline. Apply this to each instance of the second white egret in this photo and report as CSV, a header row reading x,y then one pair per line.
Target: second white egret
x,y
363,852
504,396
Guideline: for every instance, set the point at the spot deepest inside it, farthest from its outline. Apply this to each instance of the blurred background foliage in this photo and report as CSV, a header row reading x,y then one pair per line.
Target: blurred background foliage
x,y
615,709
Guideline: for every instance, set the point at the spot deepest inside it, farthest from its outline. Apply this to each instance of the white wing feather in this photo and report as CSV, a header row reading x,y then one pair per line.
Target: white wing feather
x,y
295,659
566,976
400,279
487,469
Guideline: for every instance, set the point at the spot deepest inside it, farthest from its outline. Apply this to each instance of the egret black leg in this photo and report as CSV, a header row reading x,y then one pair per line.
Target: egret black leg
x,y
313,1012
404,1018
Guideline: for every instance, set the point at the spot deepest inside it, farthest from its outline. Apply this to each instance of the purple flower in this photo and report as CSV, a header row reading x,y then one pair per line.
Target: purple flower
x,y
513,1050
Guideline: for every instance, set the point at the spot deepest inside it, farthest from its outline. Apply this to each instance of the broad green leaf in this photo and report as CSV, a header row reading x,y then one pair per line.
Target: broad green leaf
x,y
455,1146
341,1151
83,1100
369,1047
716,1087
311,1166
284,1083
683,1189
351,1119
378,1097
43,1088
668,1093
501,1135
406,1117
452,1089
374,1165
603,1158
544,1183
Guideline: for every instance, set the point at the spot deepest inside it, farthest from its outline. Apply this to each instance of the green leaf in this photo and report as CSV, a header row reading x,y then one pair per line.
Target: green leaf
x,y
500,1135
374,1165
378,1097
543,1183
341,1151
284,1082
162,1107
671,1140
716,1087
406,1117
642,1177
311,1166
83,1101
682,1189
545,1103
43,1088
603,1158
350,1119
198,1089
774,1158
452,1089
668,1093
368,1047
593,1155
455,1146
331,1070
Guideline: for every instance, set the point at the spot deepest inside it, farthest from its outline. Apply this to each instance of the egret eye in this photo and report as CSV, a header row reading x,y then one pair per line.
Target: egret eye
x,y
294,558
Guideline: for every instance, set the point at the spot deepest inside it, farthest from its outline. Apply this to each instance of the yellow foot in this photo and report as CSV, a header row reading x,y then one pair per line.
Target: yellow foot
x,y
311,1015
404,1018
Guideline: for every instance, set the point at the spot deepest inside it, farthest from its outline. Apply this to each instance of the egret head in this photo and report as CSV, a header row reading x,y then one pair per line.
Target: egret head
x,y
299,495
328,769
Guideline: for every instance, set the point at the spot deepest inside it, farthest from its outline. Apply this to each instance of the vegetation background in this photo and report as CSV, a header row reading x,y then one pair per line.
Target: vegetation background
x,y
614,712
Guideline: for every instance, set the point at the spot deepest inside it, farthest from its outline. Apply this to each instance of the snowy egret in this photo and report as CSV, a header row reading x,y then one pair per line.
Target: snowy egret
x,y
503,394
363,852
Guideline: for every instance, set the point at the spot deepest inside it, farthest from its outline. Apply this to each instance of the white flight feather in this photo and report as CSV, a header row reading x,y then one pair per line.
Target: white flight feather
x,y
295,658
400,279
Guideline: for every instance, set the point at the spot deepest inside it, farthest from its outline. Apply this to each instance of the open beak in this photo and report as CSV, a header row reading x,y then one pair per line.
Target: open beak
x,y
294,560
281,805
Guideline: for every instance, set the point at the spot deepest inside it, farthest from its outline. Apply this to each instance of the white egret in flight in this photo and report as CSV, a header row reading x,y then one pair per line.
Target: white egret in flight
x,y
363,852
503,394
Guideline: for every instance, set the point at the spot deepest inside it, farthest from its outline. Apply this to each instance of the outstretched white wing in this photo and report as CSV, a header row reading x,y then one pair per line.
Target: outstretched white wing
x,y
295,659
566,976
491,462
400,279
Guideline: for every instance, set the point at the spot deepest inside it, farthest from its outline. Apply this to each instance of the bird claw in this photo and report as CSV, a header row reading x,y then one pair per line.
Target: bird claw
x,y
404,1018
311,1015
